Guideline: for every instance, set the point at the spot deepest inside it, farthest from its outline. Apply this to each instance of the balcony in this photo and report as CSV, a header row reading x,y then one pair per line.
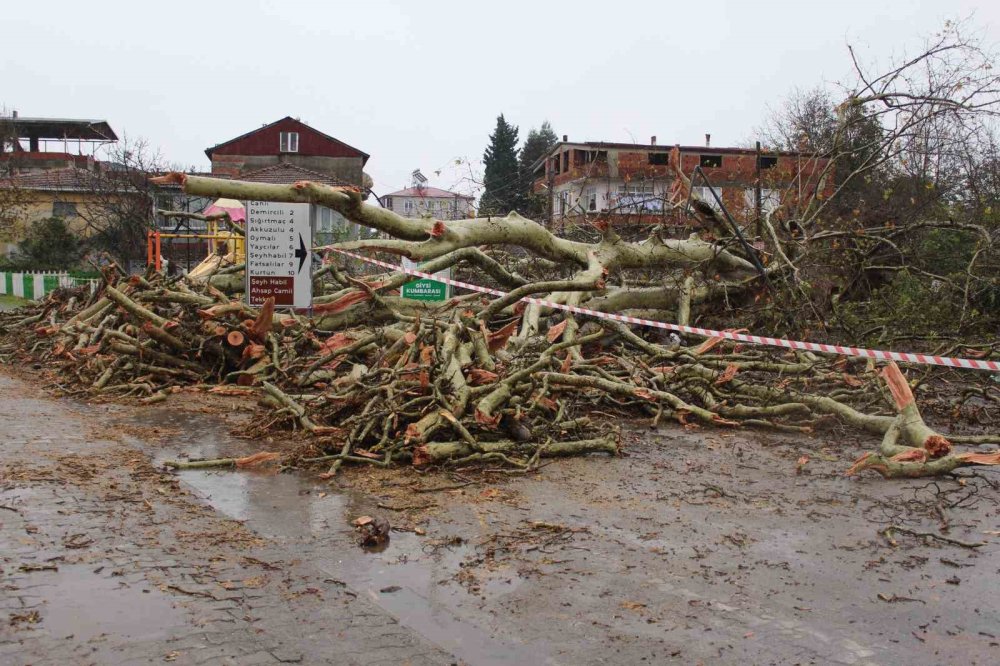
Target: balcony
x,y
628,204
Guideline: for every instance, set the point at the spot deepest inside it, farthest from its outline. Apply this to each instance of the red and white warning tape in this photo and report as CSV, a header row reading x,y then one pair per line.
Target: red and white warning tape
x,y
904,357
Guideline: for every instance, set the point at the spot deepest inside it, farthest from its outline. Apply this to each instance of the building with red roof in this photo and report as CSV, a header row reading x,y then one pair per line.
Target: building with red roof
x,y
422,200
289,142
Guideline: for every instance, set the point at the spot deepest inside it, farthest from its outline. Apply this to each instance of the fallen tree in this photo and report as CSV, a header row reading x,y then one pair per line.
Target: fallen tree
x,y
374,379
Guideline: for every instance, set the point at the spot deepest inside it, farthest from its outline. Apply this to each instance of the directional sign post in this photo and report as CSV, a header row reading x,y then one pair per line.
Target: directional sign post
x,y
279,238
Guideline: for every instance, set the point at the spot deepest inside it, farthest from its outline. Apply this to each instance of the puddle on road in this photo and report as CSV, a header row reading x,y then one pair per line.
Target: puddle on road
x,y
288,508
91,605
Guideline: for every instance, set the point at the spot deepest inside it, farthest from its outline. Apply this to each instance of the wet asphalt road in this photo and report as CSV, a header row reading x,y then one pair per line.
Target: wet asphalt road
x,y
700,546
107,560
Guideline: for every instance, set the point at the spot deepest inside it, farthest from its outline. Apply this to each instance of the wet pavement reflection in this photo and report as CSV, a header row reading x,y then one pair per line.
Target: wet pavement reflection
x,y
313,520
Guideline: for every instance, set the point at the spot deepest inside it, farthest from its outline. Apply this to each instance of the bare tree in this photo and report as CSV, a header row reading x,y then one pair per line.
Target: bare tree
x,y
909,152
13,199
122,199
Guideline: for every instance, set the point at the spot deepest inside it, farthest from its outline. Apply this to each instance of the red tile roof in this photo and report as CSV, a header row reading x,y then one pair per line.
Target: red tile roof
x,y
286,174
427,193
68,179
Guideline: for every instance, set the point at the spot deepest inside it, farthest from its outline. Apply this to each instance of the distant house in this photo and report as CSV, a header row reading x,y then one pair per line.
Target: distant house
x,y
42,144
67,193
630,183
47,169
421,200
289,142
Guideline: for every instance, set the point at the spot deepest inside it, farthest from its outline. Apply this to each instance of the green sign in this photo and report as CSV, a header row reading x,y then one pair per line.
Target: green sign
x,y
425,290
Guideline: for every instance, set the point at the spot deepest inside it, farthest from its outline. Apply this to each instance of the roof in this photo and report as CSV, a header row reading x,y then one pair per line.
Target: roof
x,y
427,193
74,179
63,128
286,174
60,180
209,151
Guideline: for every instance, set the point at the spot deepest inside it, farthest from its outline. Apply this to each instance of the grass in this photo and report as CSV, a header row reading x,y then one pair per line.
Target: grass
x,y
8,302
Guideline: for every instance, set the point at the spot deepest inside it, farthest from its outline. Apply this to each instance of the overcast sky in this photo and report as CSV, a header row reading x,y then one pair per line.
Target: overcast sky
x,y
419,84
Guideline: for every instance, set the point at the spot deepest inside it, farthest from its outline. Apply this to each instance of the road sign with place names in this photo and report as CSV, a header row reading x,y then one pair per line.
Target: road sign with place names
x,y
279,259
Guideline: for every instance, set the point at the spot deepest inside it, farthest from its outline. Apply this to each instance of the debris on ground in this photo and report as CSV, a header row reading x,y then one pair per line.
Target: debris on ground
x,y
372,379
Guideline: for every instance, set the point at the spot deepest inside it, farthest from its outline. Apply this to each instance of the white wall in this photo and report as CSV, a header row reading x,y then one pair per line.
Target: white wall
x,y
439,208
606,191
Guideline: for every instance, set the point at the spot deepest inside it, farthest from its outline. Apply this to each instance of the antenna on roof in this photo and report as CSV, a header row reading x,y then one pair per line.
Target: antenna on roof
x,y
418,179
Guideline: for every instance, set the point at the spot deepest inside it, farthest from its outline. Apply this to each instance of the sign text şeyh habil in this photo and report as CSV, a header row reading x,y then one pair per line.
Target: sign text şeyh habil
x,y
278,241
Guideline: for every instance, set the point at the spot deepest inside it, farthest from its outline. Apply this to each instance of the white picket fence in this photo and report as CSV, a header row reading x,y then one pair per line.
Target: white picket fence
x,y
34,285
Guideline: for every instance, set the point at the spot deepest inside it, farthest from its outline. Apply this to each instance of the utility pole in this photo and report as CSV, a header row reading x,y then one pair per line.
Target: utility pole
x,y
551,177
756,197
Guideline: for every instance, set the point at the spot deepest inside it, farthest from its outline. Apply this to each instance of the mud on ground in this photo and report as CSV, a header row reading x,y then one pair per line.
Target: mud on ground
x,y
700,545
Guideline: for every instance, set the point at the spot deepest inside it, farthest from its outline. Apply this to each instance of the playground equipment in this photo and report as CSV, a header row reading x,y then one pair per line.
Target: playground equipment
x,y
226,246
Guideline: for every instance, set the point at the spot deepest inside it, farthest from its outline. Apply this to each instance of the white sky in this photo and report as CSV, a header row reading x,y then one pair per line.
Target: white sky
x,y
419,84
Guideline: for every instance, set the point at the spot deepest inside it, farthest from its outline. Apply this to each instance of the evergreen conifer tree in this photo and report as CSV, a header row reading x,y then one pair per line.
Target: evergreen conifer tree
x,y
502,179
536,144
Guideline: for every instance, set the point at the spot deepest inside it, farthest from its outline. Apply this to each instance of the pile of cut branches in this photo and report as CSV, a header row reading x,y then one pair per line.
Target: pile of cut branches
x,y
372,395
375,379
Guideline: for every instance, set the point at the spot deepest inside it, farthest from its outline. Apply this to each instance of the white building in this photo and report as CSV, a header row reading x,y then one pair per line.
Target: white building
x,y
421,200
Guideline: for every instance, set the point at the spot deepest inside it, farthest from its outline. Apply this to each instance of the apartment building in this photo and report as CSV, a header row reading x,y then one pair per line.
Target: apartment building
x,y
629,183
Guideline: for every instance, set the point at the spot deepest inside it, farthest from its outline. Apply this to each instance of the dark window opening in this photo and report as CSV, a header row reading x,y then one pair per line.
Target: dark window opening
x,y
768,162
565,159
63,209
556,163
659,158
711,161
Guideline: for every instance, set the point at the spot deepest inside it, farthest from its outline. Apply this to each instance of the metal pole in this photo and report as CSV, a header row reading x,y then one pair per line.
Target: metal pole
x,y
156,234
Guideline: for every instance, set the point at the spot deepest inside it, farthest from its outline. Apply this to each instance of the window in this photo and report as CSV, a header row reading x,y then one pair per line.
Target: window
x,y
331,227
638,198
768,162
710,161
565,160
659,158
387,202
706,195
590,194
289,142
64,209
324,220
408,207
563,202
770,201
